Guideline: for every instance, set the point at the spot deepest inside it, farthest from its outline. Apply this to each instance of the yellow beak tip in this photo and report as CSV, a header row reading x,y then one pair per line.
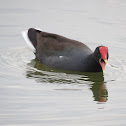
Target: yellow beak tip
x,y
105,61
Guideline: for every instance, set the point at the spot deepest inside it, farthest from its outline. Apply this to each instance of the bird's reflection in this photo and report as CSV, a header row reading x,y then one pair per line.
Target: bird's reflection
x,y
42,73
98,88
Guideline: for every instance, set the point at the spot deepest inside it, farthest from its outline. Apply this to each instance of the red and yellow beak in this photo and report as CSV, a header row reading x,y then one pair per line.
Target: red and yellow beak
x,y
104,52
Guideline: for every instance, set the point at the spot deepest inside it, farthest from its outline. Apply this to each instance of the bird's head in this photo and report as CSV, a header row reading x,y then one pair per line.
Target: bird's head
x,y
101,56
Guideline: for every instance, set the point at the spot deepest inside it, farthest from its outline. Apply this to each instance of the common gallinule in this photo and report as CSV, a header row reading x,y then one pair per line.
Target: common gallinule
x,y
60,52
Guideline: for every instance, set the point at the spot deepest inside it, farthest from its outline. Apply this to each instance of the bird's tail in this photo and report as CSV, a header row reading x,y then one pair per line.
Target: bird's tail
x,y
30,36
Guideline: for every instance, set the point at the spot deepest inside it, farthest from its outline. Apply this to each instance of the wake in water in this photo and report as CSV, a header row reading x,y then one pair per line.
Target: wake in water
x,y
20,59
20,62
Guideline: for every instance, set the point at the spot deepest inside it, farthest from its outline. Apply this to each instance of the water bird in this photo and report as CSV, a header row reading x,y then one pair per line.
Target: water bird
x,y
57,51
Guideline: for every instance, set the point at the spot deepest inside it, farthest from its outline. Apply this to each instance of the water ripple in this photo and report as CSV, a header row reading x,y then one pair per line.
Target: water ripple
x,y
17,62
22,59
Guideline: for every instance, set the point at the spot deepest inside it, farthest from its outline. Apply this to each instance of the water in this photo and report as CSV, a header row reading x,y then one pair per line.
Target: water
x,y
32,94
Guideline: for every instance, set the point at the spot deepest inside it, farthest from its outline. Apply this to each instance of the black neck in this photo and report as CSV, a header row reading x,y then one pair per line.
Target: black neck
x,y
93,64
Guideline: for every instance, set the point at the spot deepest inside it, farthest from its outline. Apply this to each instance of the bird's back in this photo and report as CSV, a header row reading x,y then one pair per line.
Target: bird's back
x,y
58,51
